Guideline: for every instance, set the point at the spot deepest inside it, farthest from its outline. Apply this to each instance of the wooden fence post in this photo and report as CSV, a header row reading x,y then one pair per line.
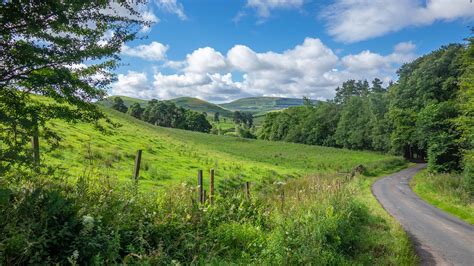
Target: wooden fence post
x,y
138,159
35,142
282,197
200,188
211,187
247,189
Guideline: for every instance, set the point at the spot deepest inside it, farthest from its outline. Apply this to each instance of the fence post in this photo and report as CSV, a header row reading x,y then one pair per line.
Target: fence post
x,y
35,142
200,188
247,189
211,187
138,159
282,197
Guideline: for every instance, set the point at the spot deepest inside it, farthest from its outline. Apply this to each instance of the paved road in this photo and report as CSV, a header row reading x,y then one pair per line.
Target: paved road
x,y
439,238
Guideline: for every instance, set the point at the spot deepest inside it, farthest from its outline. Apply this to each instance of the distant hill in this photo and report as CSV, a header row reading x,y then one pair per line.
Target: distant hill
x,y
126,100
256,105
261,105
194,104
199,105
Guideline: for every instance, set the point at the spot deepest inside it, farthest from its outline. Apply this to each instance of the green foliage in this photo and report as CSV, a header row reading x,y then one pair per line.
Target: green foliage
x,y
92,222
358,122
424,115
167,114
465,122
44,47
423,110
135,110
119,105
353,129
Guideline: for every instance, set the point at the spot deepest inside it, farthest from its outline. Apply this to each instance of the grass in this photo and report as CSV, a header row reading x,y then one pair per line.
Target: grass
x,y
445,191
386,231
172,156
305,206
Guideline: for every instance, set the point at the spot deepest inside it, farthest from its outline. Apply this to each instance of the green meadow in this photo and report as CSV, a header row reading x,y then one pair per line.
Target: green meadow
x,y
172,156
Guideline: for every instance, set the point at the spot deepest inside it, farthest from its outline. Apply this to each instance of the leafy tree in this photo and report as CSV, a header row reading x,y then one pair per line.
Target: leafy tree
x,y
377,86
119,105
426,88
465,121
135,110
56,49
352,129
216,117
237,117
167,114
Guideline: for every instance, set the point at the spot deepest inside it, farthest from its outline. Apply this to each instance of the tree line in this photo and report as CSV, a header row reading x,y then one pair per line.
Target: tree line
x,y
165,114
426,114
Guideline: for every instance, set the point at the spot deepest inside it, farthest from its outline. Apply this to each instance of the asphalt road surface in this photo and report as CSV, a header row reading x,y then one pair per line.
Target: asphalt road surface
x,y
439,238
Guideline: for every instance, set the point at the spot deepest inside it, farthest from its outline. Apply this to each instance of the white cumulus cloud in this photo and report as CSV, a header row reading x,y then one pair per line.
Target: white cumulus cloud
x,y
357,20
133,84
308,69
154,51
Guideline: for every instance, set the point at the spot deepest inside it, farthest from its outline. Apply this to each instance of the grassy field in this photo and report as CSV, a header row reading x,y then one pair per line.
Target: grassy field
x,y
174,156
199,105
446,192
262,105
305,207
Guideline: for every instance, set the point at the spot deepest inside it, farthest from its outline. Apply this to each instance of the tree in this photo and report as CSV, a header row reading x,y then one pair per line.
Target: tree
x,y
352,129
465,122
377,86
238,117
135,110
58,49
216,117
119,105
423,122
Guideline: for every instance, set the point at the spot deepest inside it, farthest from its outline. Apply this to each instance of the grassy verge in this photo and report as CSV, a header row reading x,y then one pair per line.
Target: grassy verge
x,y
446,192
320,219
386,232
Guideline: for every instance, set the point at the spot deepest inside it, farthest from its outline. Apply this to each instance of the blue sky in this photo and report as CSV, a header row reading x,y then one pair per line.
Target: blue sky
x,y
220,50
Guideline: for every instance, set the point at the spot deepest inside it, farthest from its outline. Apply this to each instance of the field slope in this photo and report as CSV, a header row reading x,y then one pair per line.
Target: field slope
x,y
199,105
174,156
262,105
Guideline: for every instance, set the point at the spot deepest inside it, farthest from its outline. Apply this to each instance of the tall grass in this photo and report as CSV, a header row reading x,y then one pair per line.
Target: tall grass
x,y
314,220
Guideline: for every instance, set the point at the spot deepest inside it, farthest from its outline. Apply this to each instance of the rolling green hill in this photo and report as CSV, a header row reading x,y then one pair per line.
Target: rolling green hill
x,y
260,105
126,100
295,189
199,105
256,105
173,156
194,104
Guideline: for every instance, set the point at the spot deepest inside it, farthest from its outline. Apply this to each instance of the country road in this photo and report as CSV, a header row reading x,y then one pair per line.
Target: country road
x,y
439,238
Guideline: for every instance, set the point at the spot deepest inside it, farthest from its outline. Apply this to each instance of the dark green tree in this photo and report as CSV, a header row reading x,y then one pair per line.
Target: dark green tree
x,y
135,110
423,123
237,117
64,50
119,105
377,86
216,117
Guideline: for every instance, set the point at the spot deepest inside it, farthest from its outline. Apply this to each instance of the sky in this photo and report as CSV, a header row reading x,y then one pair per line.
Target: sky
x,y
222,50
